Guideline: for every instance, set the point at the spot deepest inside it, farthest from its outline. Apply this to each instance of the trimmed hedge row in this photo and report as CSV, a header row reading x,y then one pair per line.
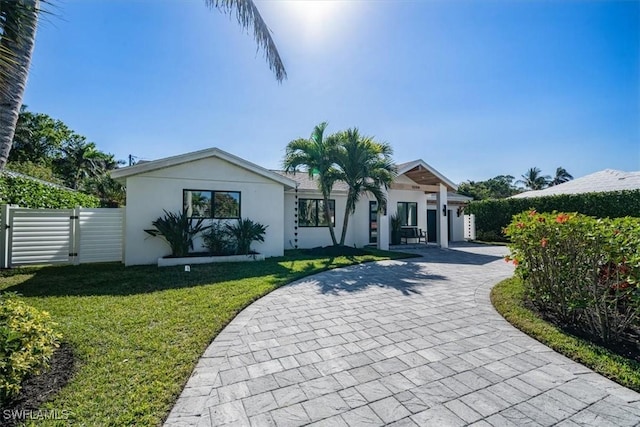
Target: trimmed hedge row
x,y
30,193
492,216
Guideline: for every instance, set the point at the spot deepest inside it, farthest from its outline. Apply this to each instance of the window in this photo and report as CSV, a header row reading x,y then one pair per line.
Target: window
x,y
408,213
311,213
212,204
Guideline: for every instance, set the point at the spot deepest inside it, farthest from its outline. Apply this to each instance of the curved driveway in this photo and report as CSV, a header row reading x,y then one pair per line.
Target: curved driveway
x,y
406,343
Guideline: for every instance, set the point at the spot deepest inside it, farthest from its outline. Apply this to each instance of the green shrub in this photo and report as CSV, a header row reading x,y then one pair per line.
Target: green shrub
x,y
246,232
218,240
30,193
178,231
27,341
581,271
493,215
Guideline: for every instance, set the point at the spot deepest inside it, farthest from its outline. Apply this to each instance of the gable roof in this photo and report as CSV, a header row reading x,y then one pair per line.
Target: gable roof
x,y
424,174
599,182
120,174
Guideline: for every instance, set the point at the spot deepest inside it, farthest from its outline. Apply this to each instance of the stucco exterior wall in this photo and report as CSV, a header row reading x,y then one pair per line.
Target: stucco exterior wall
x,y
261,200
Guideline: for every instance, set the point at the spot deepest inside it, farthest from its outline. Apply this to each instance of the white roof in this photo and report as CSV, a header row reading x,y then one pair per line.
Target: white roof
x,y
120,174
599,182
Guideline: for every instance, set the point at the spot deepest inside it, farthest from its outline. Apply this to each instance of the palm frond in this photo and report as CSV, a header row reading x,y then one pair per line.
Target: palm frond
x,y
249,17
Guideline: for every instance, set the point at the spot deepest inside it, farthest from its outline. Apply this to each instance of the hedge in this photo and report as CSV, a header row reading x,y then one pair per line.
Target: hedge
x,y
31,193
492,216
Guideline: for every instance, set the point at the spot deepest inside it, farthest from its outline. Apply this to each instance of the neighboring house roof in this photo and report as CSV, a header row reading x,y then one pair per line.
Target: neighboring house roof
x,y
599,182
148,166
424,174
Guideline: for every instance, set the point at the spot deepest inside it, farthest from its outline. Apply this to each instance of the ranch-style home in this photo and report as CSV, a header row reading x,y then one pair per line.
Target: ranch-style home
x,y
217,185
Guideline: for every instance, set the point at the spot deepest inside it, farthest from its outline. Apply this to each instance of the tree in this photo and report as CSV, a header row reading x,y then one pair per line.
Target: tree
x,y
365,166
561,176
81,160
533,180
18,24
316,156
499,187
110,192
38,138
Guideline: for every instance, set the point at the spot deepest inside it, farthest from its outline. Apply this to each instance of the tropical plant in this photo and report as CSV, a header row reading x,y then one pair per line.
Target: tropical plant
x,y
27,342
178,231
81,160
534,180
366,167
562,176
218,240
18,23
316,156
244,233
499,187
110,192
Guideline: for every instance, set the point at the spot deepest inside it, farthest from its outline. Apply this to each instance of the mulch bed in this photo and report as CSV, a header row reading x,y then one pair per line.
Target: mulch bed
x,y
36,390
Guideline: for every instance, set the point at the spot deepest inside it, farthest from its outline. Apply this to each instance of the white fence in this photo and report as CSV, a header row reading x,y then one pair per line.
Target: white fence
x,y
60,236
470,227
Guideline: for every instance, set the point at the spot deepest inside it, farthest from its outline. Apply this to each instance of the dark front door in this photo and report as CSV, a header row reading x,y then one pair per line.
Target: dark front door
x,y
373,222
432,229
449,226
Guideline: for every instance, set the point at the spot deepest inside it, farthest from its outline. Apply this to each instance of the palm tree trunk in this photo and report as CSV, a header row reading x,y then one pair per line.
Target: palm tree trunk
x,y
345,221
18,37
328,216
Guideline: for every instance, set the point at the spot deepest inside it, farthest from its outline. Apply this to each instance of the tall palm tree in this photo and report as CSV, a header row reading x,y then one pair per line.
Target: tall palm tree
x,y
534,180
18,24
561,176
316,156
81,159
365,166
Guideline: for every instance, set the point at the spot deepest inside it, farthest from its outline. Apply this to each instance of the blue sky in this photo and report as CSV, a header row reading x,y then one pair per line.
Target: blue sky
x,y
475,88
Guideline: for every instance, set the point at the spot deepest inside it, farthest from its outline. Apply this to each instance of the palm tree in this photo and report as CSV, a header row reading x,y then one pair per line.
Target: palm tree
x,y
561,176
82,160
533,179
18,24
365,166
317,156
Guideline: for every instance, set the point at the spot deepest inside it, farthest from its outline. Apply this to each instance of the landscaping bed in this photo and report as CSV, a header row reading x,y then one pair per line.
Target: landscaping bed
x,y
624,368
137,332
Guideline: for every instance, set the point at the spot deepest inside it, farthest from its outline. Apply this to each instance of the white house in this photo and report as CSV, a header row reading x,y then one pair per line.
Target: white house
x,y
217,185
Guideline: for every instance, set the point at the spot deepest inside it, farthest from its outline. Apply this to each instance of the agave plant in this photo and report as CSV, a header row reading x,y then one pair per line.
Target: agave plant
x,y
246,232
179,230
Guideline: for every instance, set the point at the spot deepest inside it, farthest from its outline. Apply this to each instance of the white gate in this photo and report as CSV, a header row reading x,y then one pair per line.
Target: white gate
x,y
60,236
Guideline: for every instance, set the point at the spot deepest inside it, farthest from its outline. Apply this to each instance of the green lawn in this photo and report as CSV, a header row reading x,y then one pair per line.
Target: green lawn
x,y
507,297
138,331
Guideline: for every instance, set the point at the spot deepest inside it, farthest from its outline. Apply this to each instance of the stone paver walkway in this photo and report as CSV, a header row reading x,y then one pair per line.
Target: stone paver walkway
x,y
401,343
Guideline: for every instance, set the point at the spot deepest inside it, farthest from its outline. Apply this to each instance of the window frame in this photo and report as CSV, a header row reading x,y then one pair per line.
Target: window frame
x,y
405,220
316,201
213,203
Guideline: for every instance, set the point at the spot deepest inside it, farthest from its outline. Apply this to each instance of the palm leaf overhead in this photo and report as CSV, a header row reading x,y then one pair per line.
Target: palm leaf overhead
x,y
249,17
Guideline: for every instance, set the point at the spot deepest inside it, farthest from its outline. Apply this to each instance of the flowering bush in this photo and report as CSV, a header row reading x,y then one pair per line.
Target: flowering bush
x,y
27,342
579,270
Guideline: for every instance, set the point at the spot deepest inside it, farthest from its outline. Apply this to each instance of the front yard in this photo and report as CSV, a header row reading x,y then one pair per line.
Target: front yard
x,y
137,332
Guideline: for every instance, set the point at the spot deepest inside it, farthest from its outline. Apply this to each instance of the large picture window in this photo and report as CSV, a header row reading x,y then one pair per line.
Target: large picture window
x,y
212,204
311,213
408,214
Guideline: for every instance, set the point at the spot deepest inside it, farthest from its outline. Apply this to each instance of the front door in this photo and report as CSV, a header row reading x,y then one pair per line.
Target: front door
x,y
432,229
373,222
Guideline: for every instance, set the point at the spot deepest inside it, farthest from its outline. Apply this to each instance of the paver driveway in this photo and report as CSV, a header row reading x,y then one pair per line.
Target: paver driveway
x,y
412,342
